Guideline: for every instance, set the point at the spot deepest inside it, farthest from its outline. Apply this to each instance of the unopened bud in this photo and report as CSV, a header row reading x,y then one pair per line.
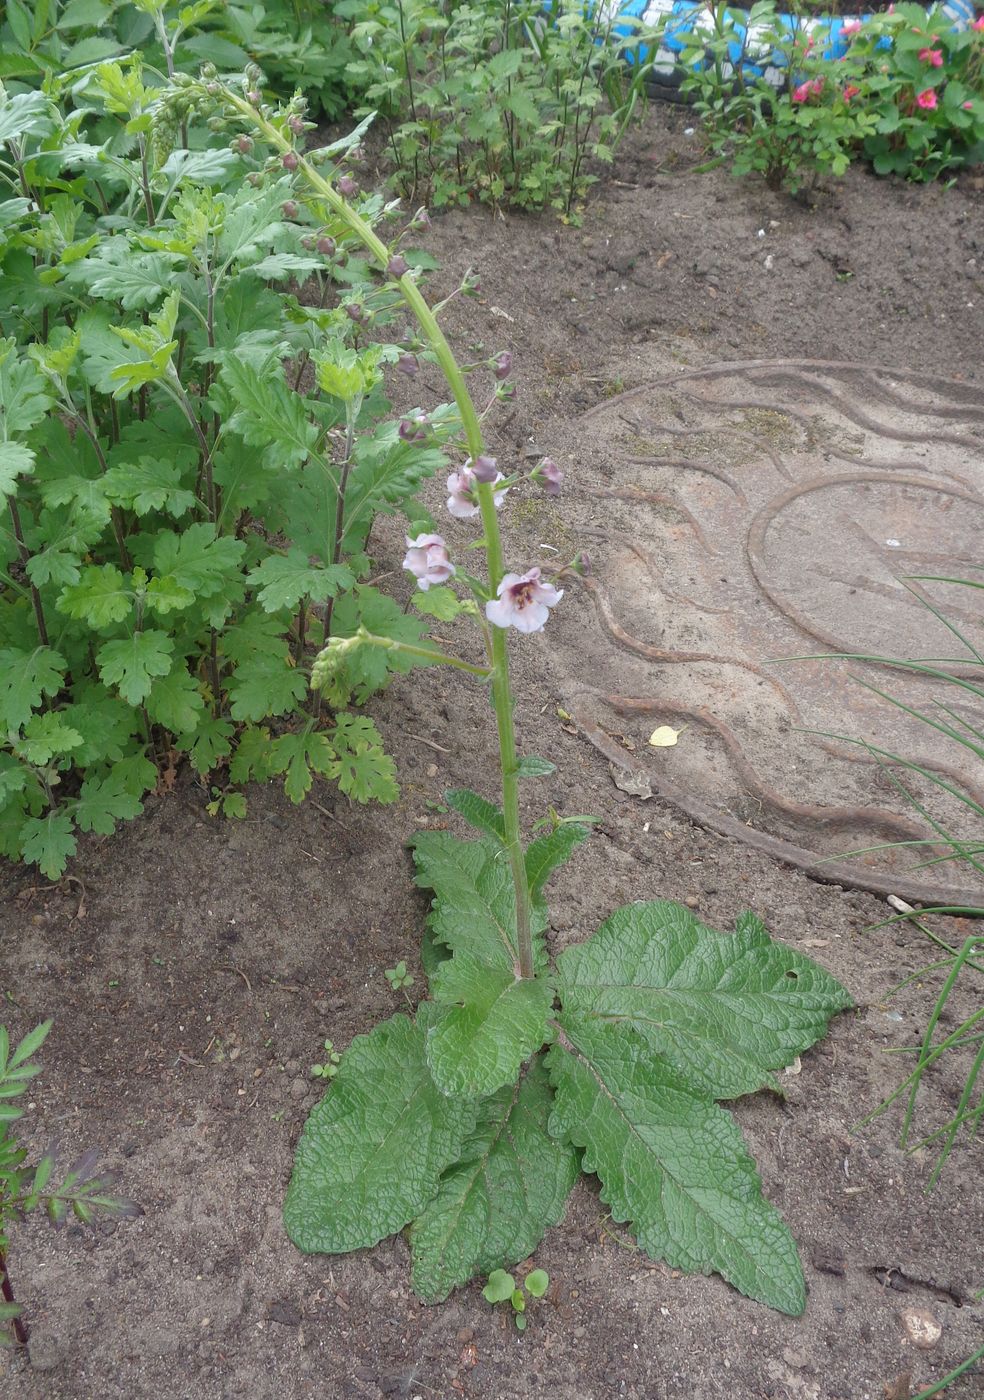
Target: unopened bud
x,y
486,469
502,365
397,265
254,96
244,145
289,209
505,393
326,246
255,179
296,125
354,312
549,475
308,242
290,161
421,219
347,187
413,429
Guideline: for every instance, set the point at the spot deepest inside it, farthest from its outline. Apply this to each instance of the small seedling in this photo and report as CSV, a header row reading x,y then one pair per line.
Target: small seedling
x,y
501,1288
330,1067
398,977
23,1188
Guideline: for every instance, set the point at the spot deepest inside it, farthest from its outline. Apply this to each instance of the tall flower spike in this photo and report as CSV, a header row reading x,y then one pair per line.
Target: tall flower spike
x,y
524,602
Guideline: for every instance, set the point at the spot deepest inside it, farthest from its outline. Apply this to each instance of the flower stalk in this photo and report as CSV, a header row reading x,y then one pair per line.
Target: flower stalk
x,y
501,688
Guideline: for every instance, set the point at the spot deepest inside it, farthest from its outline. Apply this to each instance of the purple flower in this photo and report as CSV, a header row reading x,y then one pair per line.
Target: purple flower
x,y
427,559
524,602
549,475
409,365
347,187
397,265
486,470
414,429
502,365
421,219
462,502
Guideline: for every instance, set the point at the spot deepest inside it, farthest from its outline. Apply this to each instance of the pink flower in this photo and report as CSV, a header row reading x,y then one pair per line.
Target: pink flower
x,y
850,27
549,475
812,88
978,23
967,106
926,100
524,602
931,56
502,364
427,559
850,91
462,501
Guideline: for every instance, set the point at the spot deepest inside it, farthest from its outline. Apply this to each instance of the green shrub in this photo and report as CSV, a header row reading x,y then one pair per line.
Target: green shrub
x,y
181,518
492,102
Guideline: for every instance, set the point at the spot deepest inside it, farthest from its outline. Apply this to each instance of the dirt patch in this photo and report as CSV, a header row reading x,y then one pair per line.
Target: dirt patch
x,y
197,968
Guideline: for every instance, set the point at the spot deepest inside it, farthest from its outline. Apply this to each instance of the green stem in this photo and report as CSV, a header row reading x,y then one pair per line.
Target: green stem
x,y
501,689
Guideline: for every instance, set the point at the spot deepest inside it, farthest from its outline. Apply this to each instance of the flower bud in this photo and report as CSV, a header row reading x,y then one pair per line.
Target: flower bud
x,y
414,429
347,187
486,469
289,209
243,145
296,125
502,365
290,161
354,312
308,242
397,266
549,475
326,246
255,179
408,365
581,563
505,393
421,219
254,96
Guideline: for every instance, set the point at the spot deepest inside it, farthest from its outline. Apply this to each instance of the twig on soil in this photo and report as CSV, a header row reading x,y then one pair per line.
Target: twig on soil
x,y
429,742
325,813
228,967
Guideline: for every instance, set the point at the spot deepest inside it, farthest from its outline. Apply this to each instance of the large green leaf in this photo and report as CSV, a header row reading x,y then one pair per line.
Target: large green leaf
x,y
546,853
133,664
24,393
497,1021
372,1152
282,580
268,414
26,676
724,1010
495,1204
670,1162
474,901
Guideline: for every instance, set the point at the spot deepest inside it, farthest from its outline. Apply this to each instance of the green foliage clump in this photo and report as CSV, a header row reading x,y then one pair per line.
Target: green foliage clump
x,y
908,94
470,1121
184,517
496,101
301,44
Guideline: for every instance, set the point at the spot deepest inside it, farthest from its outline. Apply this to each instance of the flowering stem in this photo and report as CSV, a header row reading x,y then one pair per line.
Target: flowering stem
x,y
501,689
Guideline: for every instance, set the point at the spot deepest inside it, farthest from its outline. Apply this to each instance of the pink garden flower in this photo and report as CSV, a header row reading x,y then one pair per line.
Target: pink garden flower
x,y
462,501
978,23
934,57
427,559
524,602
850,91
967,106
851,27
926,100
812,88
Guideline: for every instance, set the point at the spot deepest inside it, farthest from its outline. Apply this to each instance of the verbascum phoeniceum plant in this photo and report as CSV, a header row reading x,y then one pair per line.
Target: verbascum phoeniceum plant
x,y
470,1119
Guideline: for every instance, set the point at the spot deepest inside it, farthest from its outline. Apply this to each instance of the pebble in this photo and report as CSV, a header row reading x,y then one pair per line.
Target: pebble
x,y
293,1067
923,1328
298,1088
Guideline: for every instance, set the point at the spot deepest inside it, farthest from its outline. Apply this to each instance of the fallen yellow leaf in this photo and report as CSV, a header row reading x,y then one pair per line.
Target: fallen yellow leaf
x,y
664,737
